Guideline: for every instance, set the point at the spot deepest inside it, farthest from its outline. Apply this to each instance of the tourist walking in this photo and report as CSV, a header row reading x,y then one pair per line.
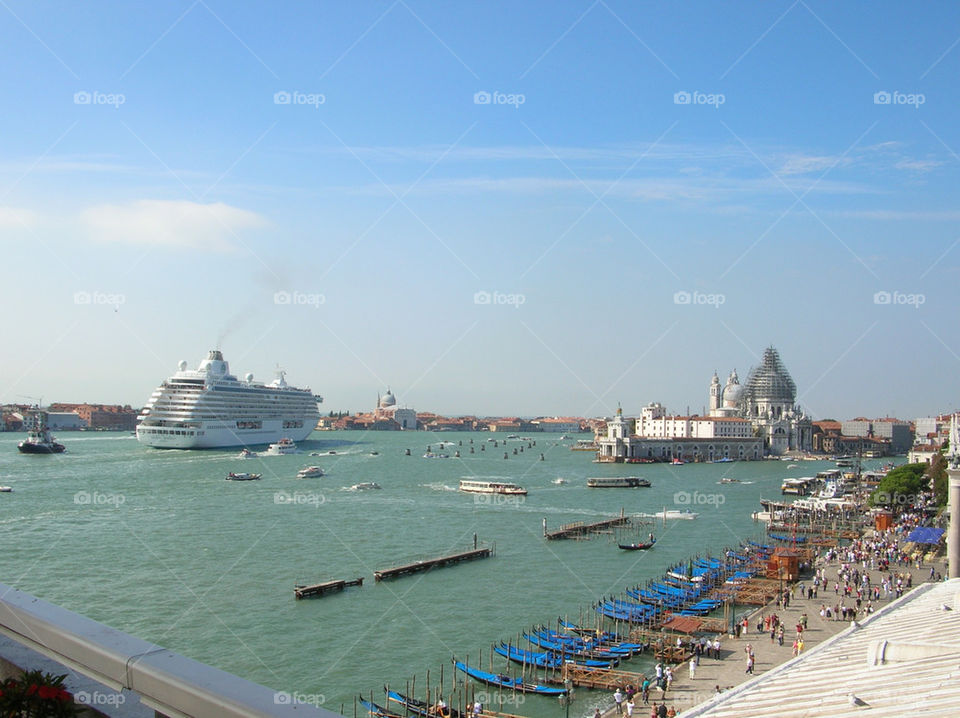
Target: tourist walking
x,y
618,699
630,706
693,668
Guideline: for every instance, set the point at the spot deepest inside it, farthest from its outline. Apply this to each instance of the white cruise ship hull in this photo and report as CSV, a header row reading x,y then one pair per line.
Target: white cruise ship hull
x,y
209,408
219,434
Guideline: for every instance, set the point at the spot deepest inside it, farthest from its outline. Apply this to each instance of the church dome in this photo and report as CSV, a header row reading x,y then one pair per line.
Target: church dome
x,y
770,382
388,400
732,394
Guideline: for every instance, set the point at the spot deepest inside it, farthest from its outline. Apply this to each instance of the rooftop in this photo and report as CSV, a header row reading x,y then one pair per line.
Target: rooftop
x,y
903,660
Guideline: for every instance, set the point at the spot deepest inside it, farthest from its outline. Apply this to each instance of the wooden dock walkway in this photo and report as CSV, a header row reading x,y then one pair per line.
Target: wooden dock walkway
x,y
607,679
579,529
431,563
320,589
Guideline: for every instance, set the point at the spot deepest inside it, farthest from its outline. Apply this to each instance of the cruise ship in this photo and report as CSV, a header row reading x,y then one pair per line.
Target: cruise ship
x,y
208,408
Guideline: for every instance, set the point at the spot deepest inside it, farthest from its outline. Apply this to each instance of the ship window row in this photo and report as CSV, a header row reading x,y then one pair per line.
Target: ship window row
x,y
171,432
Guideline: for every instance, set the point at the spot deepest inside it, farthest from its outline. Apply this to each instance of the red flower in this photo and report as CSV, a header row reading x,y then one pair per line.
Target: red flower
x,y
63,696
47,692
32,689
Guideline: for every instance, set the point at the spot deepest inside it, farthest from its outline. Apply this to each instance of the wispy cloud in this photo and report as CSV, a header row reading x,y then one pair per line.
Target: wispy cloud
x,y
169,223
897,214
13,218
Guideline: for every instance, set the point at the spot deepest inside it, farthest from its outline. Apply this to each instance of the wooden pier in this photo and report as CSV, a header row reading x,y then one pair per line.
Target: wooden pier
x,y
320,589
580,529
431,563
607,679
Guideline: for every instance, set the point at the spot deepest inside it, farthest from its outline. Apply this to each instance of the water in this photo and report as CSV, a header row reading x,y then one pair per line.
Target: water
x,y
157,544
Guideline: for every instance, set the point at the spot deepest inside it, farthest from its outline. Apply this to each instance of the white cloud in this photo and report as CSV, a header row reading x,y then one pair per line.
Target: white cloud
x,y
170,223
12,218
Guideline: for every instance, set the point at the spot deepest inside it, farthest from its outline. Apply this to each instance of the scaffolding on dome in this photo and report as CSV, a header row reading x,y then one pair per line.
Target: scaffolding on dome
x,y
770,381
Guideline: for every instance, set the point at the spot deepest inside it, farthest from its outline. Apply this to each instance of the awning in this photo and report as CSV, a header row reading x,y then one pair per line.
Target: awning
x,y
925,535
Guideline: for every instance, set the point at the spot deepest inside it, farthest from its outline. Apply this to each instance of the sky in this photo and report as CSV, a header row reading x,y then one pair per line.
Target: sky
x,y
497,208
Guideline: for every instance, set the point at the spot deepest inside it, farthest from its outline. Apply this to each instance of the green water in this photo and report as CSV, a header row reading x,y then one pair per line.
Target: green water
x,y
157,544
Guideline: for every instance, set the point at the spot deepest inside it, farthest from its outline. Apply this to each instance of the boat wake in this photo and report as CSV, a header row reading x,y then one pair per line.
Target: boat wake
x,y
439,486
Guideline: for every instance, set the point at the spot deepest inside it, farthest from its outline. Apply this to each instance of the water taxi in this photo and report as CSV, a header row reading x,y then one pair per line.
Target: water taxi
x,y
617,482
282,447
491,487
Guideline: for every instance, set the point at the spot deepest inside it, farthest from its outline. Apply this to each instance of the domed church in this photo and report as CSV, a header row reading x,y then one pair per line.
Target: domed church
x,y
768,400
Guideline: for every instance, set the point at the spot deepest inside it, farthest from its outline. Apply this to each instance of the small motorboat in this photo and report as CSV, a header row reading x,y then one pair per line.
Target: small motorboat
x,y
309,472
559,481
677,462
366,486
243,476
246,454
315,453
284,446
730,481
374,453
431,455
6,489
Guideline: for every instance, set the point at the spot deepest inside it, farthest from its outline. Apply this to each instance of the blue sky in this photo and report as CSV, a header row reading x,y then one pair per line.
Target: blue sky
x,y
653,191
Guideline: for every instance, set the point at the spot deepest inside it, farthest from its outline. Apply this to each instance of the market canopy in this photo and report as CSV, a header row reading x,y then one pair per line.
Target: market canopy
x,y
925,535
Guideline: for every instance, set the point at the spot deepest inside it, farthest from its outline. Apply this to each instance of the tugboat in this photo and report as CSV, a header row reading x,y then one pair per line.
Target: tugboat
x,y
39,439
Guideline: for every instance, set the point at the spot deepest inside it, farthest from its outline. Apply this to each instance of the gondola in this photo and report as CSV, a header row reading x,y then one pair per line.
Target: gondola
x,y
377,710
511,684
547,659
421,708
636,546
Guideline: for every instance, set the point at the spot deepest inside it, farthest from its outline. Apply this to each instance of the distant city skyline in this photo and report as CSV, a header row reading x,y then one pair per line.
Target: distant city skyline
x,y
496,209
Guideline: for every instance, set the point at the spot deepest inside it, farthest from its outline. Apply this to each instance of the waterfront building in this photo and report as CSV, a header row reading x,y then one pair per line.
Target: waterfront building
x,y
689,438
558,424
389,411
109,417
65,421
898,432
